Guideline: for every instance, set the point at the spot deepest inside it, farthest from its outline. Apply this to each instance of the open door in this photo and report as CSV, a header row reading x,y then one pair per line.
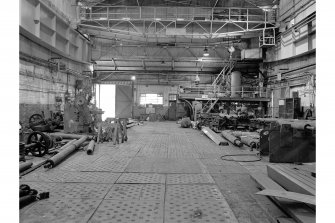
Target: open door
x,y
123,101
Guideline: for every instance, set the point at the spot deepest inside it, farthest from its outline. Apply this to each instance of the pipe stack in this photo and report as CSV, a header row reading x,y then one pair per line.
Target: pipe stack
x,y
65,151
231,138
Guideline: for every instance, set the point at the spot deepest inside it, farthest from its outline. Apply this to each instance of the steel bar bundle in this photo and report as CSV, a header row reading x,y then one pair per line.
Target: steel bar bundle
x,y
65,151
227,135
90,147
24,166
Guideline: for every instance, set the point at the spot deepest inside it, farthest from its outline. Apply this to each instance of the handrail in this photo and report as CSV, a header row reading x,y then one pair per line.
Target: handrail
x,y
176,13
211,91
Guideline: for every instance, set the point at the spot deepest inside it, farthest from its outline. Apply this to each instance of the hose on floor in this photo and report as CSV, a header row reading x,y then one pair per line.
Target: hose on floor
x,y
257,155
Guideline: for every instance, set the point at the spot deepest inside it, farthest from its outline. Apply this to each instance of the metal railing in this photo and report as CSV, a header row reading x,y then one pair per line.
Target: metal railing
x,y
177,14
210,91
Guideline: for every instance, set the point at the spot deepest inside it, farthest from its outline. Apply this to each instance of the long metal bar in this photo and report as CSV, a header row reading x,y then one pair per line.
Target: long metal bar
x,y
231,138
90,147
215,137
24,166
69,136
56,159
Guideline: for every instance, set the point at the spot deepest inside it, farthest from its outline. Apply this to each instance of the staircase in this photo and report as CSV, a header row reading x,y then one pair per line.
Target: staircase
x,y
224,73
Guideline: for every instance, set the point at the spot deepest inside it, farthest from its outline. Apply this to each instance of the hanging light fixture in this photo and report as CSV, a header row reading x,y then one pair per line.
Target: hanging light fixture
x,y
206,54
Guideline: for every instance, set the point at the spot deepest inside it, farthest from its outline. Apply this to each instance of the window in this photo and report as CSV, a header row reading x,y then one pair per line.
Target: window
x,y
155,99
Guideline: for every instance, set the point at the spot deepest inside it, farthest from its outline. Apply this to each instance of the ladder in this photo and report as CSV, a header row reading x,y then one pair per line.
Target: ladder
x,y
208,106
224,72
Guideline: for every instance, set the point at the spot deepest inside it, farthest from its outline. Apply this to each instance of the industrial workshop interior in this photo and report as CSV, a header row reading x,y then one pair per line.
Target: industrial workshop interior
x,y
167,111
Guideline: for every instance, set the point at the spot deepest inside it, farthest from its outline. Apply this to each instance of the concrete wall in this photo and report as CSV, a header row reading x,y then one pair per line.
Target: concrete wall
x,y
293,59
297,74
294,39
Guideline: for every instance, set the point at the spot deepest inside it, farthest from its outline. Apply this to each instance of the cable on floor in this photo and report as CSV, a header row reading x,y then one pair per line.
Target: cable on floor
x,y
257,155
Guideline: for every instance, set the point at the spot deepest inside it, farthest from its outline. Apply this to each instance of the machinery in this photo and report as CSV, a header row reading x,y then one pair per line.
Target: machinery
x,y
80,115
37,122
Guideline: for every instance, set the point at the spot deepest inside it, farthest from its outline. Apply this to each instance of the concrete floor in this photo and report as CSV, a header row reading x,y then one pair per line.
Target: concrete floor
x,y
162,174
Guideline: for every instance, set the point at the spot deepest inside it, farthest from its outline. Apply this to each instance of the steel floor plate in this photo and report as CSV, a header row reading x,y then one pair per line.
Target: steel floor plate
x,y
77,163
189,179
224,169
136,192
219,162
71,190
107,163
56,175
164,165
60,211
193,192
211,211
129,211
141,178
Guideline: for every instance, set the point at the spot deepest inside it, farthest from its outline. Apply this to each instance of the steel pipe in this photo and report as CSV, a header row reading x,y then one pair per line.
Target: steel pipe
x,y
90,147
249,141
249,134
24,166
227,135
70,136
65,151
25,200
215,137
295,123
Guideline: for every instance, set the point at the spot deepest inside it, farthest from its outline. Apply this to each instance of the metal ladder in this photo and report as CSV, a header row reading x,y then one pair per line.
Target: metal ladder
x,y
224,72
208,106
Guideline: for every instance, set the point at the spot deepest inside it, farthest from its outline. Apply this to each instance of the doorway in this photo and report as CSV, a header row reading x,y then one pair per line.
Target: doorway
x,y
105,99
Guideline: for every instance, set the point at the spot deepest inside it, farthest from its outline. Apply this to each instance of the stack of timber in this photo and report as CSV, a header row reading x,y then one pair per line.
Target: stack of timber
x,y
292,178
292,187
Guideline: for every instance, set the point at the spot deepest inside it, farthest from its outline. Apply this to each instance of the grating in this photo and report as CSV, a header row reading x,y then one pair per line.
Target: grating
x,y
141,178
136,192
193,192
72,190
189,179
60,210
129,211
72,177
211,211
